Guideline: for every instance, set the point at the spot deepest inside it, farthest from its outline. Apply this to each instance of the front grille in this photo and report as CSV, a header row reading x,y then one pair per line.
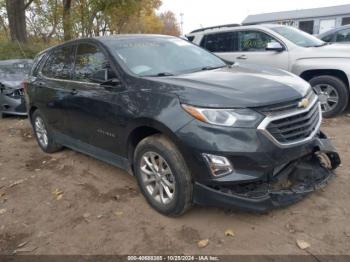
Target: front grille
x,y
297,127
294,125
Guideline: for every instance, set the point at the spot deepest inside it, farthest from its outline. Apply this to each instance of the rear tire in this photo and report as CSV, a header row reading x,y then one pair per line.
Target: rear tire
x,y
337,91
157,159
44,134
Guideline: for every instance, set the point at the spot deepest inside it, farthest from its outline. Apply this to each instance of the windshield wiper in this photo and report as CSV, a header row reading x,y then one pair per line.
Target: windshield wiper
x,y
161,74
211,67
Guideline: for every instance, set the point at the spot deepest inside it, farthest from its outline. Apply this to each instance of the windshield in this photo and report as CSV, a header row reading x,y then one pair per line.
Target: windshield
x,y
163,56
298,37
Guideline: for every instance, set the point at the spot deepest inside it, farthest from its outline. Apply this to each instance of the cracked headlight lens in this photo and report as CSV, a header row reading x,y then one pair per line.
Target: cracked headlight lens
x,y
225,117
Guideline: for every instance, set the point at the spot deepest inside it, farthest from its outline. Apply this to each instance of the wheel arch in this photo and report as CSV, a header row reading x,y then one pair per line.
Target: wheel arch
x,y
309,74
146,128
31,111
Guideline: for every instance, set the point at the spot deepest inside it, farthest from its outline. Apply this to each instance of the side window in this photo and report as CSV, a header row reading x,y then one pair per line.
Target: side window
x,y
343,36
91,65
59,64
328,38
220,42
250,41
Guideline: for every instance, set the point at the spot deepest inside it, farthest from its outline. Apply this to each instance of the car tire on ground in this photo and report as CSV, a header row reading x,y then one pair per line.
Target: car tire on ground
x,y
163,176
333,94
43,134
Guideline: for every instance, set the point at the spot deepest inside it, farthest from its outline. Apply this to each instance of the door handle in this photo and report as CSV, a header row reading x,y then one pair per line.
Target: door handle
x,y
74,92
40,84
242,57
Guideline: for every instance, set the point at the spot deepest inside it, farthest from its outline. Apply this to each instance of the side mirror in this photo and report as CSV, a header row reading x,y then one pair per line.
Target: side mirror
x,y
274,46
99,76
112,84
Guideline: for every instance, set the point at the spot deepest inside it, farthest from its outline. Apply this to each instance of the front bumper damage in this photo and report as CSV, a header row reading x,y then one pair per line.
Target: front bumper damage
x,y
12,101
290,184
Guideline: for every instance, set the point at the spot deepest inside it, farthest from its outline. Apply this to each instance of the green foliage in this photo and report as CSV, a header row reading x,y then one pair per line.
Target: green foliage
x,y
12,50
44,22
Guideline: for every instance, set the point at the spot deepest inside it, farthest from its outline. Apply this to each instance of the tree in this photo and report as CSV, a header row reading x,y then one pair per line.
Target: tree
x,y
44,19
57,20
17,19
170,25
67,20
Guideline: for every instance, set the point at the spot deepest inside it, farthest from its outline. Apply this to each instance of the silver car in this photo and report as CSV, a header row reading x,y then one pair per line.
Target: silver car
x,y
337,35
325,66
12,75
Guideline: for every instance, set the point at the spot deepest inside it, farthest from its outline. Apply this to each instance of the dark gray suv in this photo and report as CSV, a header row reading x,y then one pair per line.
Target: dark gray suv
x,y
190,127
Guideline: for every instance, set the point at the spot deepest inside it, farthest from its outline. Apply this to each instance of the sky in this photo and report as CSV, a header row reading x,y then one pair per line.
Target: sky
x,y
203,13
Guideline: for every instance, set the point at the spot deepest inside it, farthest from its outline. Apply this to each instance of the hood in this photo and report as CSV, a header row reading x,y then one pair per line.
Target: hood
x,y
328,51
12,80
239,86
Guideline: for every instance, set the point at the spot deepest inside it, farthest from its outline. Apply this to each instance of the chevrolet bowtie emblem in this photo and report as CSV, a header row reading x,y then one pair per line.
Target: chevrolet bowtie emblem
x,y
304,103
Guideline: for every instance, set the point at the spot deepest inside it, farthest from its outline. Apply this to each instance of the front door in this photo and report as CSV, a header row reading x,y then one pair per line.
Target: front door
x,y
252,49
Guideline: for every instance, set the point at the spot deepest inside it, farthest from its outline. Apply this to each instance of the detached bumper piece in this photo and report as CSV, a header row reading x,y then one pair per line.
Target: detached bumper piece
x,y
291,183
12,101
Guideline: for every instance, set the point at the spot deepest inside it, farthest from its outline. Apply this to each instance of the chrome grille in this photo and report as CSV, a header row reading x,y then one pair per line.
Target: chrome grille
x,y
294,126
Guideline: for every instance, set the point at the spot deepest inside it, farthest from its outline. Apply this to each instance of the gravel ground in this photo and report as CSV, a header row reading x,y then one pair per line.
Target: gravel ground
x,y
69,203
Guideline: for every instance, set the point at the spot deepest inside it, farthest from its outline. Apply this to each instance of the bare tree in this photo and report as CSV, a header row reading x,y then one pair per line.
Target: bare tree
x,y
17,19
67,20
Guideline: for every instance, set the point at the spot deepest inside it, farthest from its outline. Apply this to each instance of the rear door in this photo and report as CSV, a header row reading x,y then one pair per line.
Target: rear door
x,y
94,108
223,44
49,87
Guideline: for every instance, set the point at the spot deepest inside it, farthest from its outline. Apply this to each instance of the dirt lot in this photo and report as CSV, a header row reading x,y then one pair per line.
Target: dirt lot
x,y
69,203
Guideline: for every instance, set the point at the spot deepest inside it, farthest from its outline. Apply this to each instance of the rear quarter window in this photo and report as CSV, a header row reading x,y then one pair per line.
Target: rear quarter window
x,y
38,61
190,38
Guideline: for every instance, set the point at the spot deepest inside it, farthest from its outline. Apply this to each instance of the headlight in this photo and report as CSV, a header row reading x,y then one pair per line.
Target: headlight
x,y
225,117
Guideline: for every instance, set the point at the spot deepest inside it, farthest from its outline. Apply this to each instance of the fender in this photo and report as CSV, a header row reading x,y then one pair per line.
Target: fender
x,y
309,64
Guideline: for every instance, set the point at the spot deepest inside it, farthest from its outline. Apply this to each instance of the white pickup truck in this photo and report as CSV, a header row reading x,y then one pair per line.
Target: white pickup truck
x,y
325,66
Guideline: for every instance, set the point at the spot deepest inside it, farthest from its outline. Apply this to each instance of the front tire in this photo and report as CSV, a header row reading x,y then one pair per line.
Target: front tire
x,y
163,176
43,134
333,94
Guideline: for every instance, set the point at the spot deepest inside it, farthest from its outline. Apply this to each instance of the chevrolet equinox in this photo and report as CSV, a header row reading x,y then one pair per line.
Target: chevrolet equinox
x,y
191,127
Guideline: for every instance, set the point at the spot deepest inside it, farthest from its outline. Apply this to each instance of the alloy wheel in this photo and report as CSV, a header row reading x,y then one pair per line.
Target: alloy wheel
x,y
157,177
41,132
327,95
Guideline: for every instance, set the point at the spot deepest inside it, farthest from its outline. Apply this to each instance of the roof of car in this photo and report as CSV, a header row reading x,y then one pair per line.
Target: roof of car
x,y
129,36
108,38
14,61
229,28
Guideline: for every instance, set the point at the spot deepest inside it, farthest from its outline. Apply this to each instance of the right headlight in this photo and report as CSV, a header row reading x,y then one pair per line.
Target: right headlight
x,y
225,117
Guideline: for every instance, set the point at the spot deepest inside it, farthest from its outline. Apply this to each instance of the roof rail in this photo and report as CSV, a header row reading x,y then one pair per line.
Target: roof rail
x,y
214,27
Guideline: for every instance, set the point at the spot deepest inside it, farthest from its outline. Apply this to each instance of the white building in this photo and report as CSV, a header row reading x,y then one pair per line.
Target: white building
x,y
313,21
